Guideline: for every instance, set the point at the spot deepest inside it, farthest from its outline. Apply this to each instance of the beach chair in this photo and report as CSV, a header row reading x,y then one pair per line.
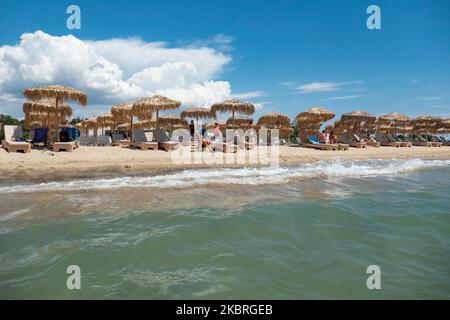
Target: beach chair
x,y
84,140
65,146
104,140
403,141
436,142
164,142
40,137
315,144
68,146
118,140
371,142
223,146
140,141
385,141
14,141
419,141
347,139
444,141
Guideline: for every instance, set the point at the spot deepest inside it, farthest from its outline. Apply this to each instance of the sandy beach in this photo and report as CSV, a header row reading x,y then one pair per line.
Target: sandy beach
x,y
86,162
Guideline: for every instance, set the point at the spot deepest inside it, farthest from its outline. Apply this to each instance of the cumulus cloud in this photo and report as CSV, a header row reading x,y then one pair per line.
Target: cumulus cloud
x,y
319,86
114,70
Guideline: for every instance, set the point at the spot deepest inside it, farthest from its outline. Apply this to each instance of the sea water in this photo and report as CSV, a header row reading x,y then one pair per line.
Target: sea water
x,y
308,231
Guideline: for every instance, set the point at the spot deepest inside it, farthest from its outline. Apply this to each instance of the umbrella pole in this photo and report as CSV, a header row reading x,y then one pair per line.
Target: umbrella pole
x,y
157,126
131,127
233,117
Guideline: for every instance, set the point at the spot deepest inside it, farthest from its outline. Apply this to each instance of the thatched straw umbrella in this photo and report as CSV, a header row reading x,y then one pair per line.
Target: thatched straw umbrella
x,y
234,106
124,113
57,93
238,121
43,113
154,104
309,121
171,119
275,120
395,119
356,121
106,119
285,132
197,113
143,124
443,126
426,124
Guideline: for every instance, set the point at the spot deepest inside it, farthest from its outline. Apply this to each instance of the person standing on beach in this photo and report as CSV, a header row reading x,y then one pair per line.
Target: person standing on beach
x,y
192,129
217,132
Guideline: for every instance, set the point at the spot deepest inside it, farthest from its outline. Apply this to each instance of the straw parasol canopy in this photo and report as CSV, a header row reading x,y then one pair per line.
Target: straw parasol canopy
x,y
154,104
43,113
239,121
316,114
309,121
234,106
57,92
274,119
171,119
443,127
355,122
45,106
197,113
285,132
106,119
392,120
426,124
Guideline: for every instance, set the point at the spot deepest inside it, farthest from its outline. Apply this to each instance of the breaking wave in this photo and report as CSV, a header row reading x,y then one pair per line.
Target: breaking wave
x,y
242,176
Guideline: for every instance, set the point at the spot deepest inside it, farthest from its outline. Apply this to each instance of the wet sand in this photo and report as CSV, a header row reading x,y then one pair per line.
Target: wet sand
x,y
91,162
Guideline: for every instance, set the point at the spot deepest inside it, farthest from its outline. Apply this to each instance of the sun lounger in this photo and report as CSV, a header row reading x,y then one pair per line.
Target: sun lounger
x,y
164,141
65,146
140,141
40,137
369,141
348,140
104,140
403,142
419,141
315,144
436,142
223,146
118,140
11,145
385,141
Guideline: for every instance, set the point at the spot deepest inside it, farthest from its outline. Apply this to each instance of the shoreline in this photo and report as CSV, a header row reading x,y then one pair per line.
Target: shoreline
x,y
110,162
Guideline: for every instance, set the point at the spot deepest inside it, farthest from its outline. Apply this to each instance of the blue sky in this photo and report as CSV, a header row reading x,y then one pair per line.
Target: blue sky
x,y
285,56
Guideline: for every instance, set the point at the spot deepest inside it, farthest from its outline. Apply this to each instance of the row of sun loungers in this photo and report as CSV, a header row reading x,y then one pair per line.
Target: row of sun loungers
x,y
14,142
314,143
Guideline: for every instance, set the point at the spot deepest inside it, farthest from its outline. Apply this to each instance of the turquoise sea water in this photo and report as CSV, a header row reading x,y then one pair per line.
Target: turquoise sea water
x,y
281,233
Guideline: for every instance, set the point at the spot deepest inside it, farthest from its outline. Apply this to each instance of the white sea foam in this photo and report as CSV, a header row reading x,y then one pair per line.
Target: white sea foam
x,y
242,176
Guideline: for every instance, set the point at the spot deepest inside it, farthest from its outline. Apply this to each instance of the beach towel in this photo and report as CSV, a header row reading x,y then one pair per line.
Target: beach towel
x,y
73,133
40,135
313,139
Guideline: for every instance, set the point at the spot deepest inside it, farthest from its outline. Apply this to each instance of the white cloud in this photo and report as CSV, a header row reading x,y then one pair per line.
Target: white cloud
x,y
319,86
115,70
248,95
344,98
429,98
